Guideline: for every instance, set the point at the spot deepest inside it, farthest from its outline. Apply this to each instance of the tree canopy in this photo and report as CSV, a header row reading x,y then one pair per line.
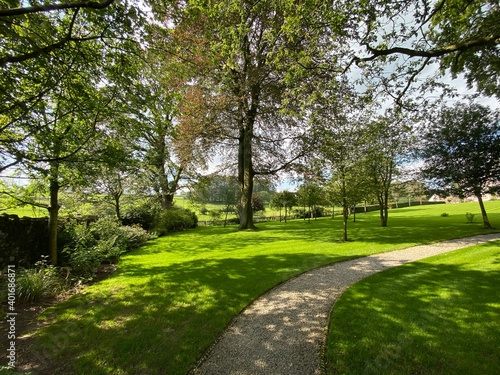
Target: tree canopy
x,y
462,151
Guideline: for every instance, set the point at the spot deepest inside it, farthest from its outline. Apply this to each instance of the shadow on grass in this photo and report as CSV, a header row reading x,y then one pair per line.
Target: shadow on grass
x,y
156,320
422,319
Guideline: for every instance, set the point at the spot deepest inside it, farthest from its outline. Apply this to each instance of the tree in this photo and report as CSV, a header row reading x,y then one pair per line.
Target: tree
x,y
461,151
56,152
43,45
461,35
416,189
147,118
250,57
310,195
388,138
284,199
338,123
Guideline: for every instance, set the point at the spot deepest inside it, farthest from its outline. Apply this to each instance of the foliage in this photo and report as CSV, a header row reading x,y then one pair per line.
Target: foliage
x,y
42,281
143,213
175,220
461,36
469,217
103,240
44,48
215,215
257,203
284,199
461,151
247,60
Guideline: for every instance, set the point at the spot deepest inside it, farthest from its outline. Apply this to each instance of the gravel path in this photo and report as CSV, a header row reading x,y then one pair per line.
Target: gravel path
x,y
284,330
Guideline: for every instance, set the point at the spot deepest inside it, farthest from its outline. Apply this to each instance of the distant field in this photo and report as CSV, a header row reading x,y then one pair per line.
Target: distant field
x,y
26,211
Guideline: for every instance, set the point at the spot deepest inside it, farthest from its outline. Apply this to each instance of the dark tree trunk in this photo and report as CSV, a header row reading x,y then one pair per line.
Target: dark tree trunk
x,y
345,214
117,206
53,215
383,209
245,178
167,201
486,221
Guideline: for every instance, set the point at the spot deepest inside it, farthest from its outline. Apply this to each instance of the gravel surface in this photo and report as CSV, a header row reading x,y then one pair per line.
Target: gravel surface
x,y
284,330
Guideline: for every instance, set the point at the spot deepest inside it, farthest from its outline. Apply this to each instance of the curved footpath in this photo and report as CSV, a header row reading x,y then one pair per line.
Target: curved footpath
x,y
284,330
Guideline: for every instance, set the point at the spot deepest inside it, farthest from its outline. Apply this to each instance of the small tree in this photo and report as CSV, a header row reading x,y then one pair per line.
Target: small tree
x,y
284,199
462,151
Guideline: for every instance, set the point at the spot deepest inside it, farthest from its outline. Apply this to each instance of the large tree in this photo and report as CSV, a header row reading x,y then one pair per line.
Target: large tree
x,y
250,57
462,151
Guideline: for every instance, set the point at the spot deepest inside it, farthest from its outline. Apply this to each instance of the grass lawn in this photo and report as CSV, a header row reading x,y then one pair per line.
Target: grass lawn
x,y
169,300
440,315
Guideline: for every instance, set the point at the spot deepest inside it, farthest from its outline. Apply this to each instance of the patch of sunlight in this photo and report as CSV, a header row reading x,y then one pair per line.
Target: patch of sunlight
x,y
114,323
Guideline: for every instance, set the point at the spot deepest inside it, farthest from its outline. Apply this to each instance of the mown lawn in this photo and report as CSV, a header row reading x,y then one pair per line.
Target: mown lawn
x,y
169,300
440,315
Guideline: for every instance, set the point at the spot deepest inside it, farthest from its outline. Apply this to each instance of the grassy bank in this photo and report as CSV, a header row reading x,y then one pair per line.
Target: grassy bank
x,y
436,316
169,300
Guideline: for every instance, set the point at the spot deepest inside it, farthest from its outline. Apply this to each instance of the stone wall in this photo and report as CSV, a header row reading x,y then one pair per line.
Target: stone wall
x,y
22,240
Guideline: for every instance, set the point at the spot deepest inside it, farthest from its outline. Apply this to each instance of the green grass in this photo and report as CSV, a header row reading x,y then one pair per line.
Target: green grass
x,y
169,300
436,316
26,211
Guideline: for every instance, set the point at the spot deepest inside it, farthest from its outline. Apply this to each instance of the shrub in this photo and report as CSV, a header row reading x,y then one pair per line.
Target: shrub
x,y
103,241
444,214
469,217
42,281
144,215
175,220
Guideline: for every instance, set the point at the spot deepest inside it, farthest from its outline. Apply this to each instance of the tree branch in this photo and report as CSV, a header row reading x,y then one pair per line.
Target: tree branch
x,y
47,49
50,7
484,41
23,202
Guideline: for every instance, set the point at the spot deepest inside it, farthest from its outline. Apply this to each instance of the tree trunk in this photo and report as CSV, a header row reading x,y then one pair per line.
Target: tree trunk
x,y
345,215
167,201
383,210
245,178
486,222
53,216
117,206
225,219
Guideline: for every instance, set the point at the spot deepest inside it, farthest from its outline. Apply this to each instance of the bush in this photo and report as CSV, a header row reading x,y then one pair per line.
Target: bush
x,y
144,215
175,220
103,241
469,217
444,214
37,283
